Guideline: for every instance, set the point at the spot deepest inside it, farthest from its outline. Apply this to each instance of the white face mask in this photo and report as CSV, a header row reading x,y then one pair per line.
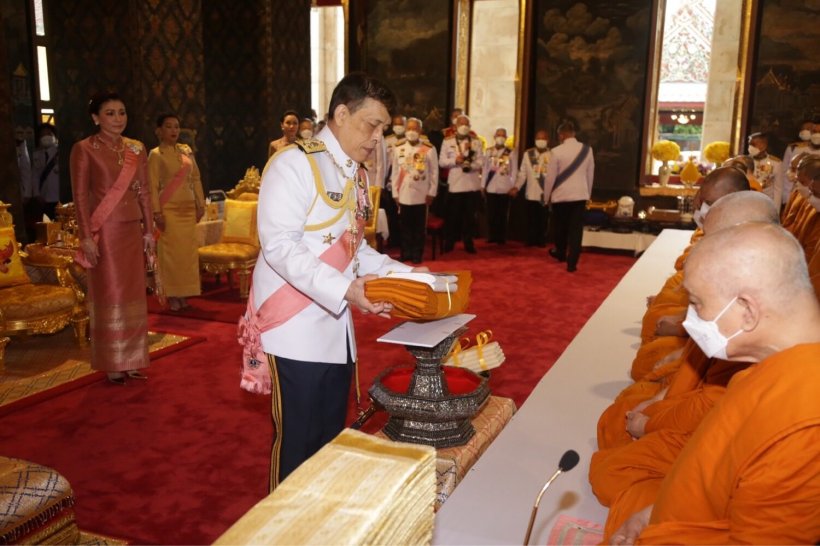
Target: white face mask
x,y
500,140
815,139
805,134
706,333
412,136
815,202
46,141
463,130
802,190
700,214
753,150
306,134
398,130
453,121
541,144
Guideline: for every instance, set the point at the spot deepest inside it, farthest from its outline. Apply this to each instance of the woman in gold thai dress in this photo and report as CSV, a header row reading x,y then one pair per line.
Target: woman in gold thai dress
x,y
178,203
109,178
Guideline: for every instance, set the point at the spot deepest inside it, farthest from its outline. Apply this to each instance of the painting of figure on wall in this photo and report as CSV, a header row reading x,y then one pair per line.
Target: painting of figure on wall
x,y
408,47
786,76
591,62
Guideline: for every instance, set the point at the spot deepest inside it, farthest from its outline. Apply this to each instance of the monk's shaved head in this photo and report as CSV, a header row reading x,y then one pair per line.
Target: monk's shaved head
x,y
761,260
739,208
721,181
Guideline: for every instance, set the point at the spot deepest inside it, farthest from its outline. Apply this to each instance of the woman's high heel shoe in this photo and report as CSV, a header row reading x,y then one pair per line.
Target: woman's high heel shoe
x,y
116,378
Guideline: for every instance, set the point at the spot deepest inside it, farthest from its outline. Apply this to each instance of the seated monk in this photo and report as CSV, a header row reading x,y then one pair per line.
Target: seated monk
x,y
806,226
672,298
798,194
814,270
750,473
730,210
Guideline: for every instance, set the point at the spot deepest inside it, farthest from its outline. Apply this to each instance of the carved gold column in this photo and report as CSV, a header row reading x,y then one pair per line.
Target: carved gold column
x,y
461,63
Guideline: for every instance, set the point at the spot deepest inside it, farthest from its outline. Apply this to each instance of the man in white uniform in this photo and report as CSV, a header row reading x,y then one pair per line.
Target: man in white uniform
x,y
497,179
768,168
531,178
463,155
313,265
414,183
568,187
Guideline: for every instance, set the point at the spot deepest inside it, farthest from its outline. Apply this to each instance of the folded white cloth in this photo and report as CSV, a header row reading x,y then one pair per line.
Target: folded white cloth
x,y
439,282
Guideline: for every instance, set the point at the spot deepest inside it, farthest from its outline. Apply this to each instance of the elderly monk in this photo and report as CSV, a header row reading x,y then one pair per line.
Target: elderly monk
x,y
751,472
806,226
798,195
661,333
661,425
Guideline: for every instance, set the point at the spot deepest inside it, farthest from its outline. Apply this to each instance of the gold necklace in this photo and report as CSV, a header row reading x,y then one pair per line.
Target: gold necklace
x,y
117,151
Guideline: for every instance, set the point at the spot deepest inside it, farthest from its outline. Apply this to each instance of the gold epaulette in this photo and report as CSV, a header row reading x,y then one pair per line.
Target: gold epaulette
x,y
425,140
772,156
311,145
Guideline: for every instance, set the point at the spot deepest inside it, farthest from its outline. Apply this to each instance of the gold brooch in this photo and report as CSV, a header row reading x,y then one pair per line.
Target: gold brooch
x,y
328,239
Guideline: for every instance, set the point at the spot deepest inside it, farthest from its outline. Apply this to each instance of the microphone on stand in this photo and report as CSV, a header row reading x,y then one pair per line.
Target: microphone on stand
x,y
567,463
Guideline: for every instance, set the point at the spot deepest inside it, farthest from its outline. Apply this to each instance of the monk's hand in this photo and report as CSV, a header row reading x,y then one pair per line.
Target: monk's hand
x,y
670,325
631,529
650,300
90,250
636,423
355,296
159,220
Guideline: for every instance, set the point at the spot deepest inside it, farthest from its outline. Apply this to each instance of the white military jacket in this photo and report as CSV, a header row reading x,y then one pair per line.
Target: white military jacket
x,y
415,172
458,180
504,163
578,187
769,172
290,254
530,173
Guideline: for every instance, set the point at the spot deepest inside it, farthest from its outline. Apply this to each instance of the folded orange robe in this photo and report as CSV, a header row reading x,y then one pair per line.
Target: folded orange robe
x,y
751,472
418,301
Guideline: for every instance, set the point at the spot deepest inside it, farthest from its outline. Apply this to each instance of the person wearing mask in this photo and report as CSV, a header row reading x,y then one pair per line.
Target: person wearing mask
x,y
497,180
567,187
112,197
289,123
798,146
414,184
306,127
178,203
391,141
768,168
462,154
531,179
45,169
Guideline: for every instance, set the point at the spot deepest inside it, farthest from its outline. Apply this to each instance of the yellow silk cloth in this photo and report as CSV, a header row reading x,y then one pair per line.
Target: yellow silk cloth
x,y
358,489
177,251
418,301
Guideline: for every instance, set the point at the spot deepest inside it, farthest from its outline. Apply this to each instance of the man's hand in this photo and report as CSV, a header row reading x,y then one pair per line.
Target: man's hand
x,y
513,192
355,296
429,200
631,529
421,269
459,159
636,423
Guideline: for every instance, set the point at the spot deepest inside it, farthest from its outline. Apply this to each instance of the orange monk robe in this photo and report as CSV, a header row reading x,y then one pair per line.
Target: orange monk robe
x,y
651,353
751,472
804,212
814,269
809,235
793,205
687,369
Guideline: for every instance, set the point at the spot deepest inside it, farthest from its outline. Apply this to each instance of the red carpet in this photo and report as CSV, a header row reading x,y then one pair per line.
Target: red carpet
x,y
177,459
217,303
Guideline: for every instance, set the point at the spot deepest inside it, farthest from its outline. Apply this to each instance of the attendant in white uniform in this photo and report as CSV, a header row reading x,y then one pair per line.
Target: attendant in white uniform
x,y
567,187
497,179
45,169
312,352
463,155
414,183
392,140
797,147
531,179
768,168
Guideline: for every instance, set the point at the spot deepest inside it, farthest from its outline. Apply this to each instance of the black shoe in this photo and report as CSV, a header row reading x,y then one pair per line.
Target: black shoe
x,y
571,268
448,247
470,249
554,253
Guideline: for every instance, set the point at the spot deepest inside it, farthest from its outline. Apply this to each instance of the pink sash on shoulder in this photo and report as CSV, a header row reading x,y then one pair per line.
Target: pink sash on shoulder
x,y
177,181
110,201
280,307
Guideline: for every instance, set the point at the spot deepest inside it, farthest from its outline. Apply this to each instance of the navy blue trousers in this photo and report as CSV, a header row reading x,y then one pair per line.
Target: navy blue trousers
x,y
309,406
